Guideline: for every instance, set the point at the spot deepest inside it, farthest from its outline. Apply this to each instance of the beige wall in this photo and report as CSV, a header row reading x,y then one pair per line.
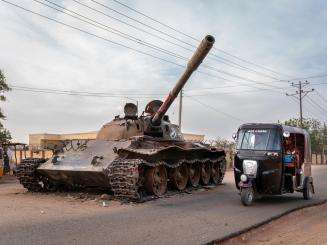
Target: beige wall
x,y
193,137
35,140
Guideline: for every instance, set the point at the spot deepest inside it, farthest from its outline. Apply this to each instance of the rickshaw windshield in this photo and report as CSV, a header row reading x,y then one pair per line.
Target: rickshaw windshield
x,y
258,139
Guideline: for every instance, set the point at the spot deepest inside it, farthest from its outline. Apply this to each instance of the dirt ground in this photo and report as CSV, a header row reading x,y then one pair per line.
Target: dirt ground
x,y
306,226
196,217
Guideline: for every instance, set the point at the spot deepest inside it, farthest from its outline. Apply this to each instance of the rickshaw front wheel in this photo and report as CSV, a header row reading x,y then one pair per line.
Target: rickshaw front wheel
x,y
247,196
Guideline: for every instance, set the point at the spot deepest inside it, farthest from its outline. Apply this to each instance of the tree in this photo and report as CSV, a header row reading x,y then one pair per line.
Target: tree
x,y
228,146
316,130
5,136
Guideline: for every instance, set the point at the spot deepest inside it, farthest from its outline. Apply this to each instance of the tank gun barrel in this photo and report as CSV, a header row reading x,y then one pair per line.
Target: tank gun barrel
x,y
197,58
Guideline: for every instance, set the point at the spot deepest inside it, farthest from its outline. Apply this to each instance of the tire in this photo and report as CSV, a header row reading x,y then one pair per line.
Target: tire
x,y
308,190
247,196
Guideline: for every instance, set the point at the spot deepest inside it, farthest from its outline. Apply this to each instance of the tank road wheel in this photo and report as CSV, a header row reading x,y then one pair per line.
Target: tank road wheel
x,y
205,173
216,175
179,177
156,180
194,174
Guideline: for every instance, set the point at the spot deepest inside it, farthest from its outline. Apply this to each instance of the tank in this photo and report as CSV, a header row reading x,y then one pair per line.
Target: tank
x,y
134,156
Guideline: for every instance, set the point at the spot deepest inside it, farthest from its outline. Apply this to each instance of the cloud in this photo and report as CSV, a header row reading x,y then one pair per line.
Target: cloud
x,y
285,36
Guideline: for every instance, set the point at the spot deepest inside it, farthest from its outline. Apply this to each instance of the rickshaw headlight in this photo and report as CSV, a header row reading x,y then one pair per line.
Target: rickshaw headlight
x,y
244,178
250,167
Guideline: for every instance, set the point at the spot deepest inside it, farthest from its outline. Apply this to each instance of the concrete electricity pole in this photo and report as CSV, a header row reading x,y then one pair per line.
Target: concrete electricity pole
x,y
180,109
299,95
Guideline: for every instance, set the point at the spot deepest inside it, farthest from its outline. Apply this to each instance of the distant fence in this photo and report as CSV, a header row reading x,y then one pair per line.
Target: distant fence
x,y
22,154
318,158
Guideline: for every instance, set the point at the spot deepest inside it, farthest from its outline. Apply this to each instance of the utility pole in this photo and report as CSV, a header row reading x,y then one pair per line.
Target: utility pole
x,y
180,109
299,95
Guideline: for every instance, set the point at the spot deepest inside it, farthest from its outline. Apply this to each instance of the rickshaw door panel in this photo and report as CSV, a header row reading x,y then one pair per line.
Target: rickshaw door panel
x,y
271,170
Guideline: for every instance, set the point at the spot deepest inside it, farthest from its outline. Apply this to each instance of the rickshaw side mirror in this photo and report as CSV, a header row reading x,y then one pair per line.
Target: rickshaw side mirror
x,y
234,136
286,134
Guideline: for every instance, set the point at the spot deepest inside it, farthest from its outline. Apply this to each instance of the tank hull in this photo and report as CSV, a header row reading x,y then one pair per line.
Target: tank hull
x,y
77,178
121,166
78,167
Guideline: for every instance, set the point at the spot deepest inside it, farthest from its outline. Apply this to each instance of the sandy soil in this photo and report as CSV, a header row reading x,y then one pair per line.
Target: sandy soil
x,y
306,226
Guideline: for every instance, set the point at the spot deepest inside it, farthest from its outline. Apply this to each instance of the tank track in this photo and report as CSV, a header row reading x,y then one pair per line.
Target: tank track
x,y
222,170
124,178
126,182
27,175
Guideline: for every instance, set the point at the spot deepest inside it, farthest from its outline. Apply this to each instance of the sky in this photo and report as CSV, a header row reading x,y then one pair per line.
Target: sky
x,y
285,39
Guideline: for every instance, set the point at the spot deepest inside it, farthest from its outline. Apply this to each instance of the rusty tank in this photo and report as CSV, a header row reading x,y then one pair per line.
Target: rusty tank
x,y
134,156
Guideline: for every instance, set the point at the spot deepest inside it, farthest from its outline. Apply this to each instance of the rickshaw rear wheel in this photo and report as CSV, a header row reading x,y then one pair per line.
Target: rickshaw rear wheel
x,y
308,190
247,196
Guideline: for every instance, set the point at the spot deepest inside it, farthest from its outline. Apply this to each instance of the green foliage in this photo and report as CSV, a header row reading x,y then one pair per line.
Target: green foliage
x,y
317,131
5,136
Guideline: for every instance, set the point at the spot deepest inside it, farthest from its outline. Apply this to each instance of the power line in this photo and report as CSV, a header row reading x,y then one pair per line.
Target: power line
x,y
314,110
104,95
115,94
169,35
281,81
108,40
320,95
138,41
125,46
216,58
238,92
86,93
313,115
122,44
179,56
97,36
183,33
215,109
322,83
316,104
110,29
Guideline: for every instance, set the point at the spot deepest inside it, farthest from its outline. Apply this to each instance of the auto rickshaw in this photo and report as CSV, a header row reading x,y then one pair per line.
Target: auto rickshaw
x,y
272,159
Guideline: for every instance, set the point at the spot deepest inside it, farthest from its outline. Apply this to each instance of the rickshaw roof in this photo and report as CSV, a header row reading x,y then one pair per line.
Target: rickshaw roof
x,y
290,129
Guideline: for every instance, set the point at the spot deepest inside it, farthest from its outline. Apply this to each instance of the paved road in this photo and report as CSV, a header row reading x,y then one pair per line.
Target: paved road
x,y
194,218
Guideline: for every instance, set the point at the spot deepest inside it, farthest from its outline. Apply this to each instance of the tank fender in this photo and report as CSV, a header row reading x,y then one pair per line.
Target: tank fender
x,y
155,154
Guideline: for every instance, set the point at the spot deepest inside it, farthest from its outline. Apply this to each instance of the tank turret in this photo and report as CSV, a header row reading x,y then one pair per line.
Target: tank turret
x,y
154,123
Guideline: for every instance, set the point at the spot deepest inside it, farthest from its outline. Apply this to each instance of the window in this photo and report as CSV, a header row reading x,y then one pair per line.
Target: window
x,y
258,139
